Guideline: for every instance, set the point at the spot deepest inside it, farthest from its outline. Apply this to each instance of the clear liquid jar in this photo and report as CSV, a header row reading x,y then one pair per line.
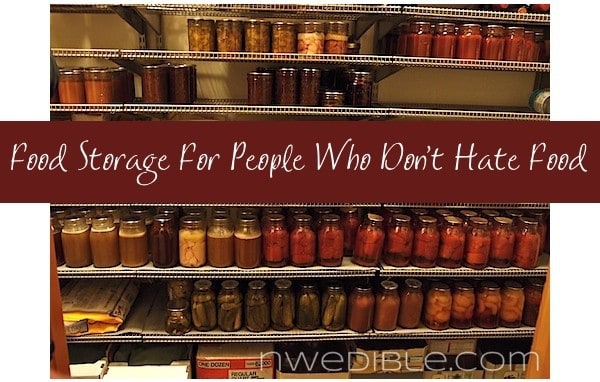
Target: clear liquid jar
x,y
256,307
529,46
248,242
336,38
333,307
303,242
330,239
71,87
387,306
219,242
283,37
411,304
308,315
452,243
444,41
229,306
204,306
275,241
104,242
179,288
182,84
257,36
468,43
426,242
487,309
133,241
165,247
360,88
398,241
260,88
98,85
283,306
438,307
513,301
229,35
192,241
75,238
463,305
502,242
201,35
311,38
477,243
514,44
310,80
361,307
286,86
155,83
350,222
369,241
527,244
419,39
179,320
533,300
492,45
56,229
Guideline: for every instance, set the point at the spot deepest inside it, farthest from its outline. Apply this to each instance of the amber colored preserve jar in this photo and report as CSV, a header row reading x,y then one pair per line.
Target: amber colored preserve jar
x,y
98,85
260,88
336,38
257,36
438,307
155,83
350,222
463,305
310,81
426,242
201,35
229,35
533,298
452,243
468,43
529,47
219,242
56,230
387,306
492,45
477,243
192,241
369,241
398,241
275,241
182,84
283,37
419,39
104,242
286,86
303,242
487,310
514,44
165,246
444,41
361,306
248,242
502,242
71,87
330,240
527,244
75,237
411,304
133,241
360,88
513,301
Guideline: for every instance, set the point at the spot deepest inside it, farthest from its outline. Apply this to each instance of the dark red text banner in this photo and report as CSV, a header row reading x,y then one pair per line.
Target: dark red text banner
x,y
299,162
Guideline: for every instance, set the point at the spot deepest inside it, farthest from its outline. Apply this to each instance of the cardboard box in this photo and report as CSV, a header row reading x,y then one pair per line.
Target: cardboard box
x,y
232,361
149,361
88,361
453,346
94,370
340,375
390,356
176,370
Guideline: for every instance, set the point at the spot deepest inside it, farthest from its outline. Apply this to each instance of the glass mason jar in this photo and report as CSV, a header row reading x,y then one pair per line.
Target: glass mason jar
x,y
402,40
502,242
266,211
182,84
426,242
311,37
411,304
468,42
195,211
219,242
514,44
104,242
308,315
438,306
155,83
444,41
330,241
248,242
133,241
360,88
165,248
533,298
286,86
540,47
492,45
419,39
353,48
318,213
179,321
477,243
529,46
87,212
398,241
463,305
283,307
146,215
388,212
229,302
415,213
98,83
333,307
369,241
511,307
172,211
123,89
204,306
257,36
441,214
515,215
387,306
275,241
361,307
465,215
541,217
350,222
303,242
332,98
192,241
283,36
291,213
75,238
256,307
71,88
201,35
490,215
179,288
452,243
487,310
260,88
229,35
336,39
56,229
527,244
310,82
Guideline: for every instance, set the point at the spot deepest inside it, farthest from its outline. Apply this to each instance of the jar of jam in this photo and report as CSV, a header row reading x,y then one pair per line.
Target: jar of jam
x,y
248,242
333,307
104,242
426,242
438,307
155,83
75,238
123,85
361,306
411,304
310,80
204,306
179,320
303,242
56,229
260,88
514,44
369,241
333,98
360,88
257,36
529,47
353,48
419,39
275,241
398,241
444,41
256,304
165,247
283,37
133,241
502,242
179,288
219,243
229,306
286,86
182,84
533,299
452,243
492,45
98,85
387,306
336,39
513,301
311,37
463,305
542,218
527,244
229,35
308,315
201,35
192,241
283,307
330,239
350,222
468,43
291,213
477,243
487,310
71,87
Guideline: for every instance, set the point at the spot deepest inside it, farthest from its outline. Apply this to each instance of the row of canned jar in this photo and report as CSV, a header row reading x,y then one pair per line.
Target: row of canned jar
x,y
308,306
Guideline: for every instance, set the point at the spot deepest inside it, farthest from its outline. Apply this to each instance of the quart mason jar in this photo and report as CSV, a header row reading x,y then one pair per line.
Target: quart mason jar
x,y
310,81
369,241
229,302
98,83
387,306
533,298
438,307
514,44
165,247
492,46
275,241
529,46
257,310
291,213
452,243
155,83
229,35
204,306
487,308
477,243
260,88
75,238
333,307
411,304
426,242
330,241
179,288
283,37
444,41
502,242
283,307
361,307
257,36
308,315
527,244
104,242
336,38
350,222
179,321
398,241
463,305
513,301
303,242
248,242
286,86
133,241
71,87
182,84
468,44
201,35
311,37
219,243
192,241
419,39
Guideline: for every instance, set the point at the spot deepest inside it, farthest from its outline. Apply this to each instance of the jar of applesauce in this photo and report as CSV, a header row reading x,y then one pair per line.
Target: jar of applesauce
x,y
133,241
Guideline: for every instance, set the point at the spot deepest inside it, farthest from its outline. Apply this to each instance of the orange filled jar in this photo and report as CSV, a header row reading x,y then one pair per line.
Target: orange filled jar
x,y
350,222
330,239
71,87
529,47
387,306
465,215
426,243
502,242
533,299
75,238
463,305
514,44
452,243
369,241
398,241
492,45
401,41
276,241
361,306
411,304
303,242
513,301
419,39
468,42
527,244
541,217
98,83
488,304
247,242
444,41
291,213
438,307
477,243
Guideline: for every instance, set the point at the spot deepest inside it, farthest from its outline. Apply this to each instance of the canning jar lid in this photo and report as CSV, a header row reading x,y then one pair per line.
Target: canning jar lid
x,y
70,71
308,285
374,218
192,220
118,69
199,19
286,23
478,220
275,218
203,285
420,23
444,212
413,283
229,21
96,69
292,70
445,27
303,218
155,66
298,210
362,288
163,218
353,45
349,210
177,305
196,211
131,220
400,218
438,285
260,74
335,285
537,214
490,213
102,220
168,210
470,25
310,70
331,218
394,210
453,220
331,94
514,213
503,220
182,66
537,282
463,286
283,284
257,285
418,211
529,221
490,285
515,285
427,219
389,285
230,284
315,23
468,213
258,21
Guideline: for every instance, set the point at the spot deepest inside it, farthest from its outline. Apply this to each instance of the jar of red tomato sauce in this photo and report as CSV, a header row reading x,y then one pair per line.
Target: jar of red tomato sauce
x,y
276,240
529,47
527,244
541,217
492,45
452,243
398,241
419,39
426,242
303,242
411,304
361,306
477,243
468,42
350,222
502,242
514,44
444,41
330,239
369,241
387,306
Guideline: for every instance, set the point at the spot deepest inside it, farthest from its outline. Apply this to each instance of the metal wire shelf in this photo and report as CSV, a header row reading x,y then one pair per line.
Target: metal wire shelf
x,y
80,8
476,15
425,333
536,206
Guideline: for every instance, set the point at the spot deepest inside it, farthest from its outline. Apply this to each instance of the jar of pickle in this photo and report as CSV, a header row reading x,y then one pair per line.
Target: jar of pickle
x,y
256,304
330,241
438,306
333,307
487,309
398,241
165,248
260,88
369,241
350,222
56,230
310,80
514,44
463,305
248,242
360,88
275,241
179,288
411,304
308,315
529,46
283,37
155,83
492,46
229,35
257,36
452,243
192,241
71,87
201,35
291,213
387,306
179,321
229,304
419,39
75,238
311,37
541,217
426,242
286,86
219,242
533,299
303,242
104,242
133,241
332,98
477,243
502,242
204,306
336,39
283,307
468,43
98,83
361,307
527,244
512,303
182,84
444,41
